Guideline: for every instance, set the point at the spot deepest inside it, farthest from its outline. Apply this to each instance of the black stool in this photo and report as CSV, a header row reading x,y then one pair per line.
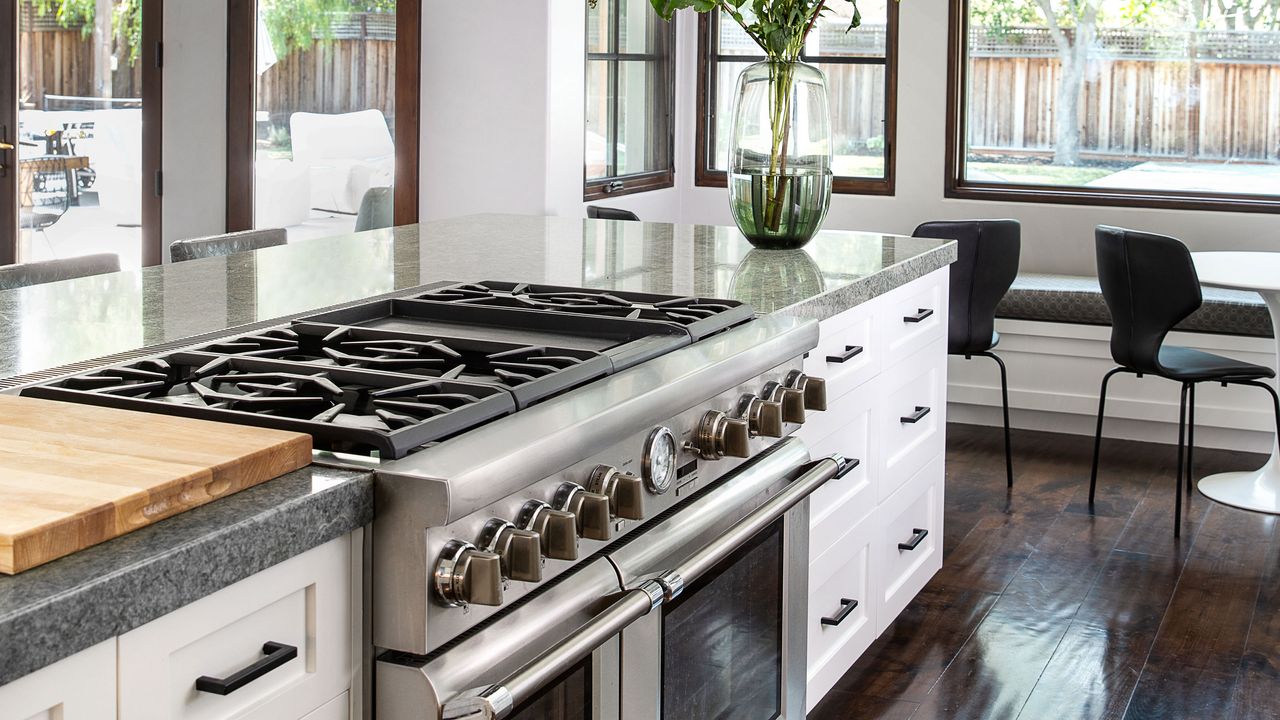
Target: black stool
x,y
1150,284
985,269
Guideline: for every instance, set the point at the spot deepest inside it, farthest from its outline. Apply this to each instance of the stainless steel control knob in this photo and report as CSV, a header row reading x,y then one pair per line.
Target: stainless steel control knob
x,y
624,490
557,530
764,417
467,575
520,550
721,436
792,400
591,510
814,389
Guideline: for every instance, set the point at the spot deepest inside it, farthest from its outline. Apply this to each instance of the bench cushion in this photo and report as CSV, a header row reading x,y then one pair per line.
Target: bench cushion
x,y
1078,299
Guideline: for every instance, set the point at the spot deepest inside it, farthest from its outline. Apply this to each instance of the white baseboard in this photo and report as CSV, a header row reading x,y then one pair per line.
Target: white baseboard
x,y
1055,370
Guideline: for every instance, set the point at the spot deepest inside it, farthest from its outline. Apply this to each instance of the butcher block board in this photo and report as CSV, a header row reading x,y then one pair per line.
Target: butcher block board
x,y
74,475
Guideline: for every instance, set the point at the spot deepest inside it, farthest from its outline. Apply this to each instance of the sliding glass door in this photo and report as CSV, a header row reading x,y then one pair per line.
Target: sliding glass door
x,y
317,98
79,123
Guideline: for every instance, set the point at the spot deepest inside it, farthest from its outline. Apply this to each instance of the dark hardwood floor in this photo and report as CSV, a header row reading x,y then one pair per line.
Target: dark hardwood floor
x,y
1045,610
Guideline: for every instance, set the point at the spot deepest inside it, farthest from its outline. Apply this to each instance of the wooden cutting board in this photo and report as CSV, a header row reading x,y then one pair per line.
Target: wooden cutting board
x,y
73,475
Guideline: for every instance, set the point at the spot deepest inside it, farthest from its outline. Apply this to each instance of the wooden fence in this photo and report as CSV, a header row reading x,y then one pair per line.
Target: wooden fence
x,y
60,62
333,77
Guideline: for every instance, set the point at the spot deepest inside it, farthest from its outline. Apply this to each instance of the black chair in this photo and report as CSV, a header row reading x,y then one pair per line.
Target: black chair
x,y
985,269
47,271
596,212
1150,284
229,244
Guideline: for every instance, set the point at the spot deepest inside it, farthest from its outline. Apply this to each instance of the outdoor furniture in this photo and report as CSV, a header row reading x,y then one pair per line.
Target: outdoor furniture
x,y
1150,284
598,212
986,265
47,271
346,154
377,209
1258,490
228,244
282,193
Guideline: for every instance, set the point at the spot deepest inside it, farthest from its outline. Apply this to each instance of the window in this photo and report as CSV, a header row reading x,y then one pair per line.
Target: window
x,y
1173,103
860,66
630,91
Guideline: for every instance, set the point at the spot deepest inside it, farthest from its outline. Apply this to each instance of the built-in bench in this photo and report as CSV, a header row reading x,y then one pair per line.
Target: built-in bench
x,y
1078,299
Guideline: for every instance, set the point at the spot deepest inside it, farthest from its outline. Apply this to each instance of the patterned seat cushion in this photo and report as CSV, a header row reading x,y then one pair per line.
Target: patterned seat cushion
x,y
1078,299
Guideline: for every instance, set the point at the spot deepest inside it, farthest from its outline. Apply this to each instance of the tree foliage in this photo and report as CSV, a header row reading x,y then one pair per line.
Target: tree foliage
x,y
779,27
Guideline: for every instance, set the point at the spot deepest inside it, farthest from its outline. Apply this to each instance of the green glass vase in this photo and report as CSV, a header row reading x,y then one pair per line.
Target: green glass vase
x,y
780,154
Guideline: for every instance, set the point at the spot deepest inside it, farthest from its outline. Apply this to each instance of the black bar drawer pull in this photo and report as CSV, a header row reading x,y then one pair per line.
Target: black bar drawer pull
x,y
921,315
918,537
850,352
275,654
848,467
847,606
916,416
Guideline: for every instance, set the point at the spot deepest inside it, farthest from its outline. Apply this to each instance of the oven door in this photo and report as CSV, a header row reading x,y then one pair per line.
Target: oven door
x,y
730,568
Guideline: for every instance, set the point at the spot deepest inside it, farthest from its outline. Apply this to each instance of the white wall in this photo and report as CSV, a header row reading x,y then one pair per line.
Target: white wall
x,y
194,138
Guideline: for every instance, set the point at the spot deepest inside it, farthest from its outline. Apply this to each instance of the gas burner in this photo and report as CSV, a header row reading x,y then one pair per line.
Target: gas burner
x,y
344,409
685,311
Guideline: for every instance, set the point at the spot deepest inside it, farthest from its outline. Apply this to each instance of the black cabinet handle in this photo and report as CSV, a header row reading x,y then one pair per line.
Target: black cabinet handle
x,y
916,416
275,654
847,467
850,352
847,606
916,539
920,316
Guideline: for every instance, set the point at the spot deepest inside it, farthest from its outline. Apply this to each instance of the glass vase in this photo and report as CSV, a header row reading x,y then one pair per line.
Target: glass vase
x,y
780,154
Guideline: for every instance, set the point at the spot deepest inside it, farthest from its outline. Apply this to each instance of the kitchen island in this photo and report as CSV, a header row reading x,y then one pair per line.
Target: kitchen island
x,y
54,611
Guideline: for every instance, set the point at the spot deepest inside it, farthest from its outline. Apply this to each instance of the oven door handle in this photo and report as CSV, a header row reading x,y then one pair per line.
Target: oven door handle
x,y
497,701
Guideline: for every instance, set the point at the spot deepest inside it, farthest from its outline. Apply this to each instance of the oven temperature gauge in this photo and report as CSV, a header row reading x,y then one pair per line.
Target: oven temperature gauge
x,y
658,467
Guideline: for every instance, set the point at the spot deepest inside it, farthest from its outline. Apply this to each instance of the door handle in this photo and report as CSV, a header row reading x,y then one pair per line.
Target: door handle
x,y
917,537
274,655
920,316
847,606
850,352
916,416
5,146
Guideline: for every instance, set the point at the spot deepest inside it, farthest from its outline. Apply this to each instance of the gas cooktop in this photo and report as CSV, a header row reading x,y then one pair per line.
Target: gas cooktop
x,y
386,377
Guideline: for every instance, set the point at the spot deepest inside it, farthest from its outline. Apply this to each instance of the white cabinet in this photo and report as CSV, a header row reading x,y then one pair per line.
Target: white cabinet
x,y
274,645
291,632
876,534
80,687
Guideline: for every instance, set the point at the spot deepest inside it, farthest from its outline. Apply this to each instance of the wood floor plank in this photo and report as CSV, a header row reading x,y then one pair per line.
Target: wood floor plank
x,y
1192,667
1257,690
848,706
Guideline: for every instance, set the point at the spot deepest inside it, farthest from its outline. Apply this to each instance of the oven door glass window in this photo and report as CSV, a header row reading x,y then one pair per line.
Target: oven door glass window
x,y
568,698
722,638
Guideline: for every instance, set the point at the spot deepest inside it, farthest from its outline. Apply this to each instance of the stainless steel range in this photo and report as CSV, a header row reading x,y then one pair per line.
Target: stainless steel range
x,y
588,503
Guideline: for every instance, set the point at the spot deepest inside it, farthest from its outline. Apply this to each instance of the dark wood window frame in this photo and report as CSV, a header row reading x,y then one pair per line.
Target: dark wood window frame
x,y
151,57
242,26
705,174
618,185
957,130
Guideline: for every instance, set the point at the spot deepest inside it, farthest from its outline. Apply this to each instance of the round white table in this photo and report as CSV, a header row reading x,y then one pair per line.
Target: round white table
x,y
1257,490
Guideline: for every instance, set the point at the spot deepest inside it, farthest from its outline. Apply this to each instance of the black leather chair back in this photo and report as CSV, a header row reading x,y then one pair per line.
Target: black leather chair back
x,y
596,212
1150,285
985,269
46,271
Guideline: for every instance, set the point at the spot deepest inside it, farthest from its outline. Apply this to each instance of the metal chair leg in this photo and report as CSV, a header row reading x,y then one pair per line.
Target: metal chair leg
x,y
1191,436
1177,483
1097,438
1275,399
1004,396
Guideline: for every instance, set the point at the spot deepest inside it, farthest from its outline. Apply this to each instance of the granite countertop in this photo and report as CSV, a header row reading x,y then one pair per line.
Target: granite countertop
x,y
55,610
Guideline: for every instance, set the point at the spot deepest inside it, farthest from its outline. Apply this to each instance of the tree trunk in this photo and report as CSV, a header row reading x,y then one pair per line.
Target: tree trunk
x,y
1066,110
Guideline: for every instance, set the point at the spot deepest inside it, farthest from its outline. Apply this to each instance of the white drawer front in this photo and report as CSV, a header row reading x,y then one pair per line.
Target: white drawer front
x,y
839,579
844,502
915,512
914,315
304,602
80,687
338,708
848,352
912,417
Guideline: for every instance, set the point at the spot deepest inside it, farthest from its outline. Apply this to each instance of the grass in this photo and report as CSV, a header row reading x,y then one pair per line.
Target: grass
x,y
1041,174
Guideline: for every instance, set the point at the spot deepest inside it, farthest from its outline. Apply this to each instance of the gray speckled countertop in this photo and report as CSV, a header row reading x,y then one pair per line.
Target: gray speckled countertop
x,y
55,610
